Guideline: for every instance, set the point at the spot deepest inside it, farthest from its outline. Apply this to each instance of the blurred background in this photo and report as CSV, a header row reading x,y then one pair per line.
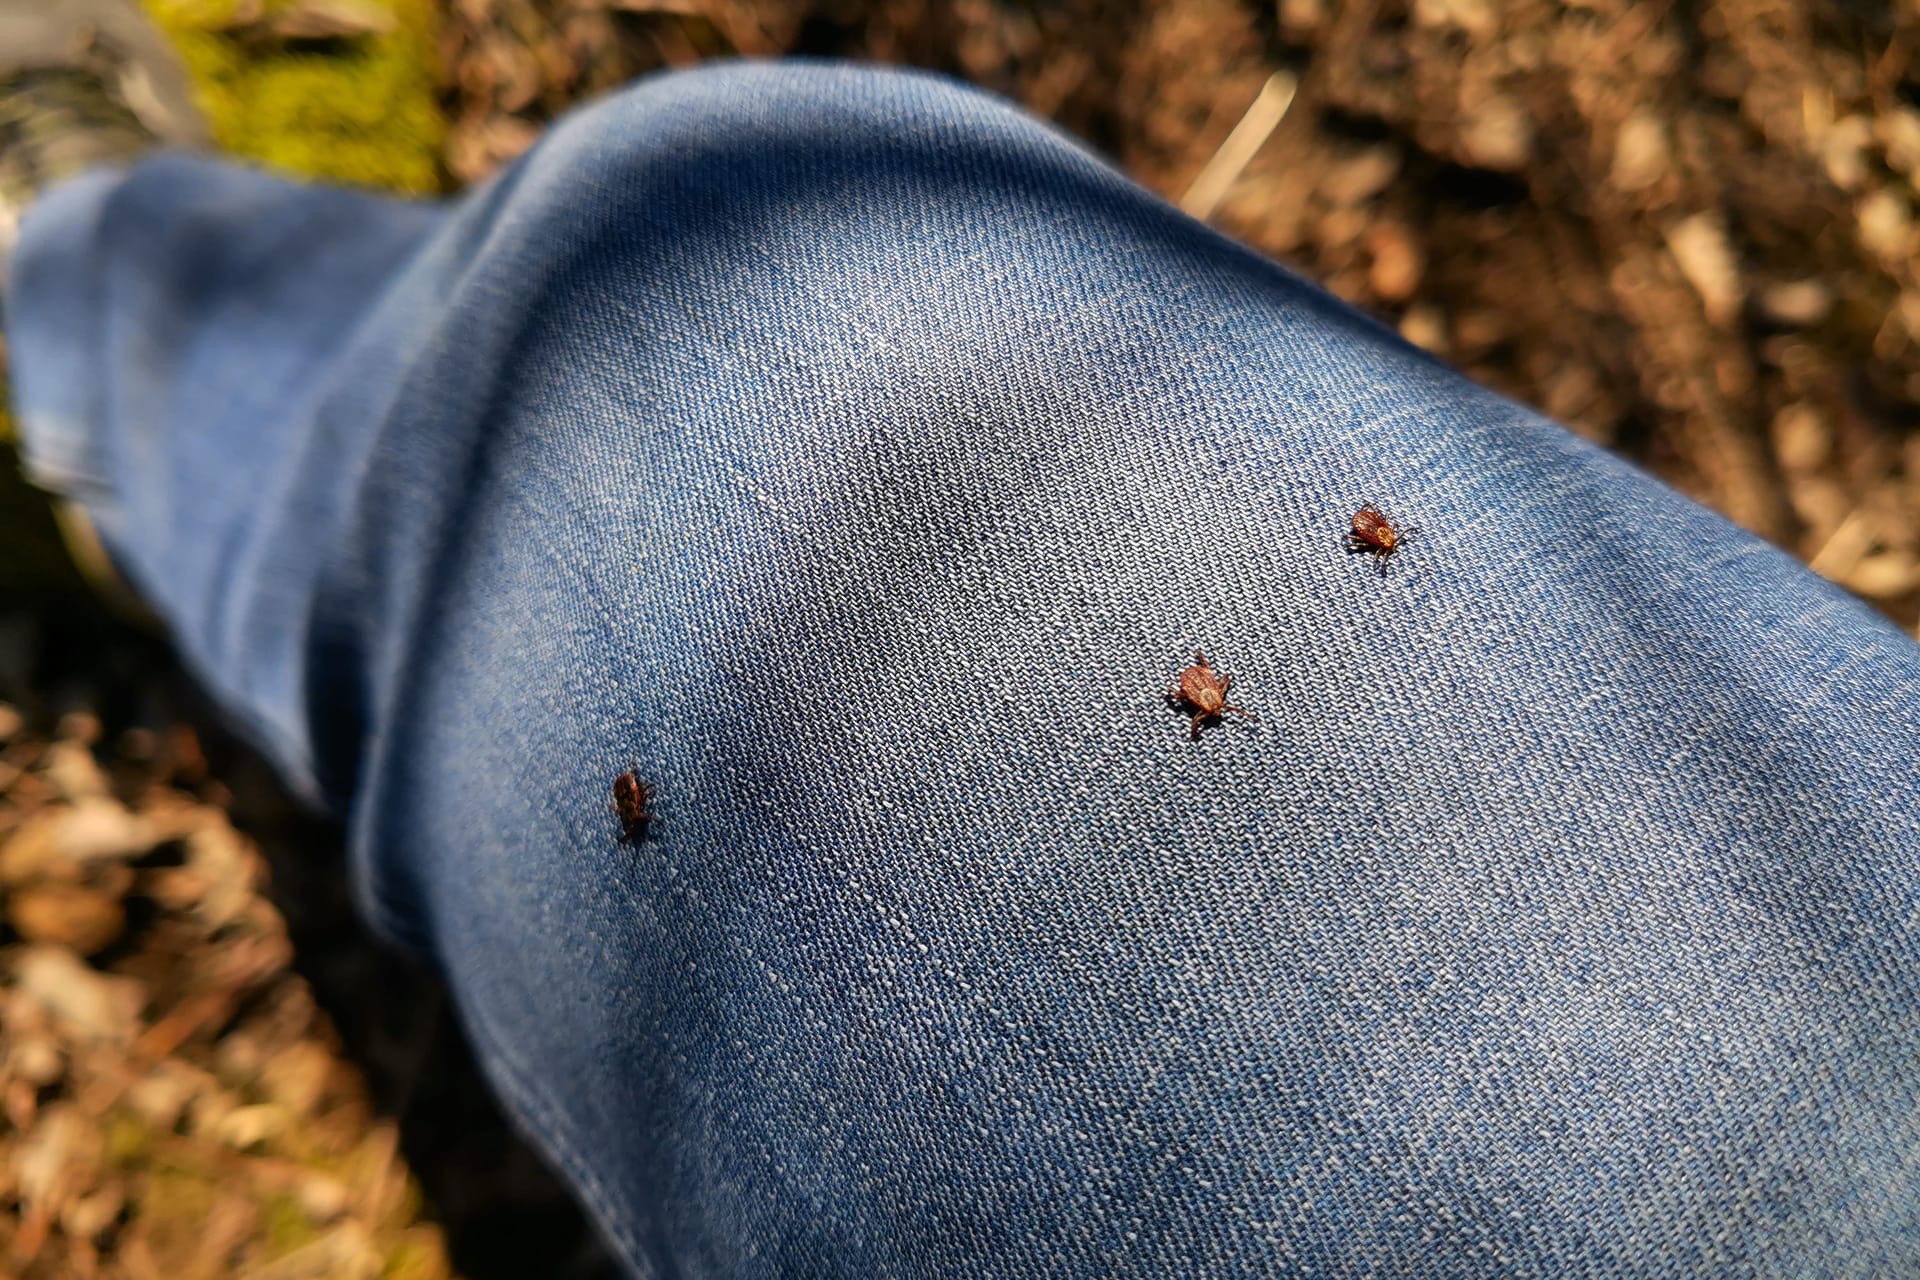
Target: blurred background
x,y
1685,230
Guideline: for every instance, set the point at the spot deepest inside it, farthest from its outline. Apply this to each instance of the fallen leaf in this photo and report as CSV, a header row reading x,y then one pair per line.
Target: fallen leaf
x,y
1699,245
68,915
88,1004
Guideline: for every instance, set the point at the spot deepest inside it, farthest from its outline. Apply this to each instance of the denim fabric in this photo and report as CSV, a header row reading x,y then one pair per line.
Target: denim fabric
x,y
863,459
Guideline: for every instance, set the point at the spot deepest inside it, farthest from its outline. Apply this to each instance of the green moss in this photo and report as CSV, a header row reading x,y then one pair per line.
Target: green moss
x,y
128,1140
175,1188
359,111
173,1208
287,1225
419,1255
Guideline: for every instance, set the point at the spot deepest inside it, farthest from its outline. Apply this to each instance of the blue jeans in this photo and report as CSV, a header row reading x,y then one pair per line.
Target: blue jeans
x,y
861,460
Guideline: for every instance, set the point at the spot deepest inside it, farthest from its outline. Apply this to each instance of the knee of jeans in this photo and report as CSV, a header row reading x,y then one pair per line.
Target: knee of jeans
x,y
773,133
793,220
840,294
750,149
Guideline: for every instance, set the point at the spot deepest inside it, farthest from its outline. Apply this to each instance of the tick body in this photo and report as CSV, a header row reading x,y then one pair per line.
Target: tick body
x,y
1205,691
1375,533
631,798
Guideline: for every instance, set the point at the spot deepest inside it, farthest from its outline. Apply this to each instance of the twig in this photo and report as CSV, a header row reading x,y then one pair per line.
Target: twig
x,y
1843,548
1269,108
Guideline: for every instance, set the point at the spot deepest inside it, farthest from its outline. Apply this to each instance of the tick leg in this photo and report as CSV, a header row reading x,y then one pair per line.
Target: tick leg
x,y
1241,711
1198,716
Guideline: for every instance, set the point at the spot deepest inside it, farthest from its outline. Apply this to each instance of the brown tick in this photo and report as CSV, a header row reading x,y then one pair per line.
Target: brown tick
x,y
1205,690
1375,533
630,800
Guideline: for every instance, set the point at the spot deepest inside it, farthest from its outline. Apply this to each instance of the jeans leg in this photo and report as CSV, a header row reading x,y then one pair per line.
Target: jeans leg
x,y
862,460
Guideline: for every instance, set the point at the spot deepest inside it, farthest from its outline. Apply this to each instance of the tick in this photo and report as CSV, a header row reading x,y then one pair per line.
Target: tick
x,y
1205,690
630,800
1375,533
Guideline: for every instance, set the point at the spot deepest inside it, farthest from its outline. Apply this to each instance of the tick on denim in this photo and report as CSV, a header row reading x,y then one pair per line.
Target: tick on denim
x,y
632,799
1375,533
1205,690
